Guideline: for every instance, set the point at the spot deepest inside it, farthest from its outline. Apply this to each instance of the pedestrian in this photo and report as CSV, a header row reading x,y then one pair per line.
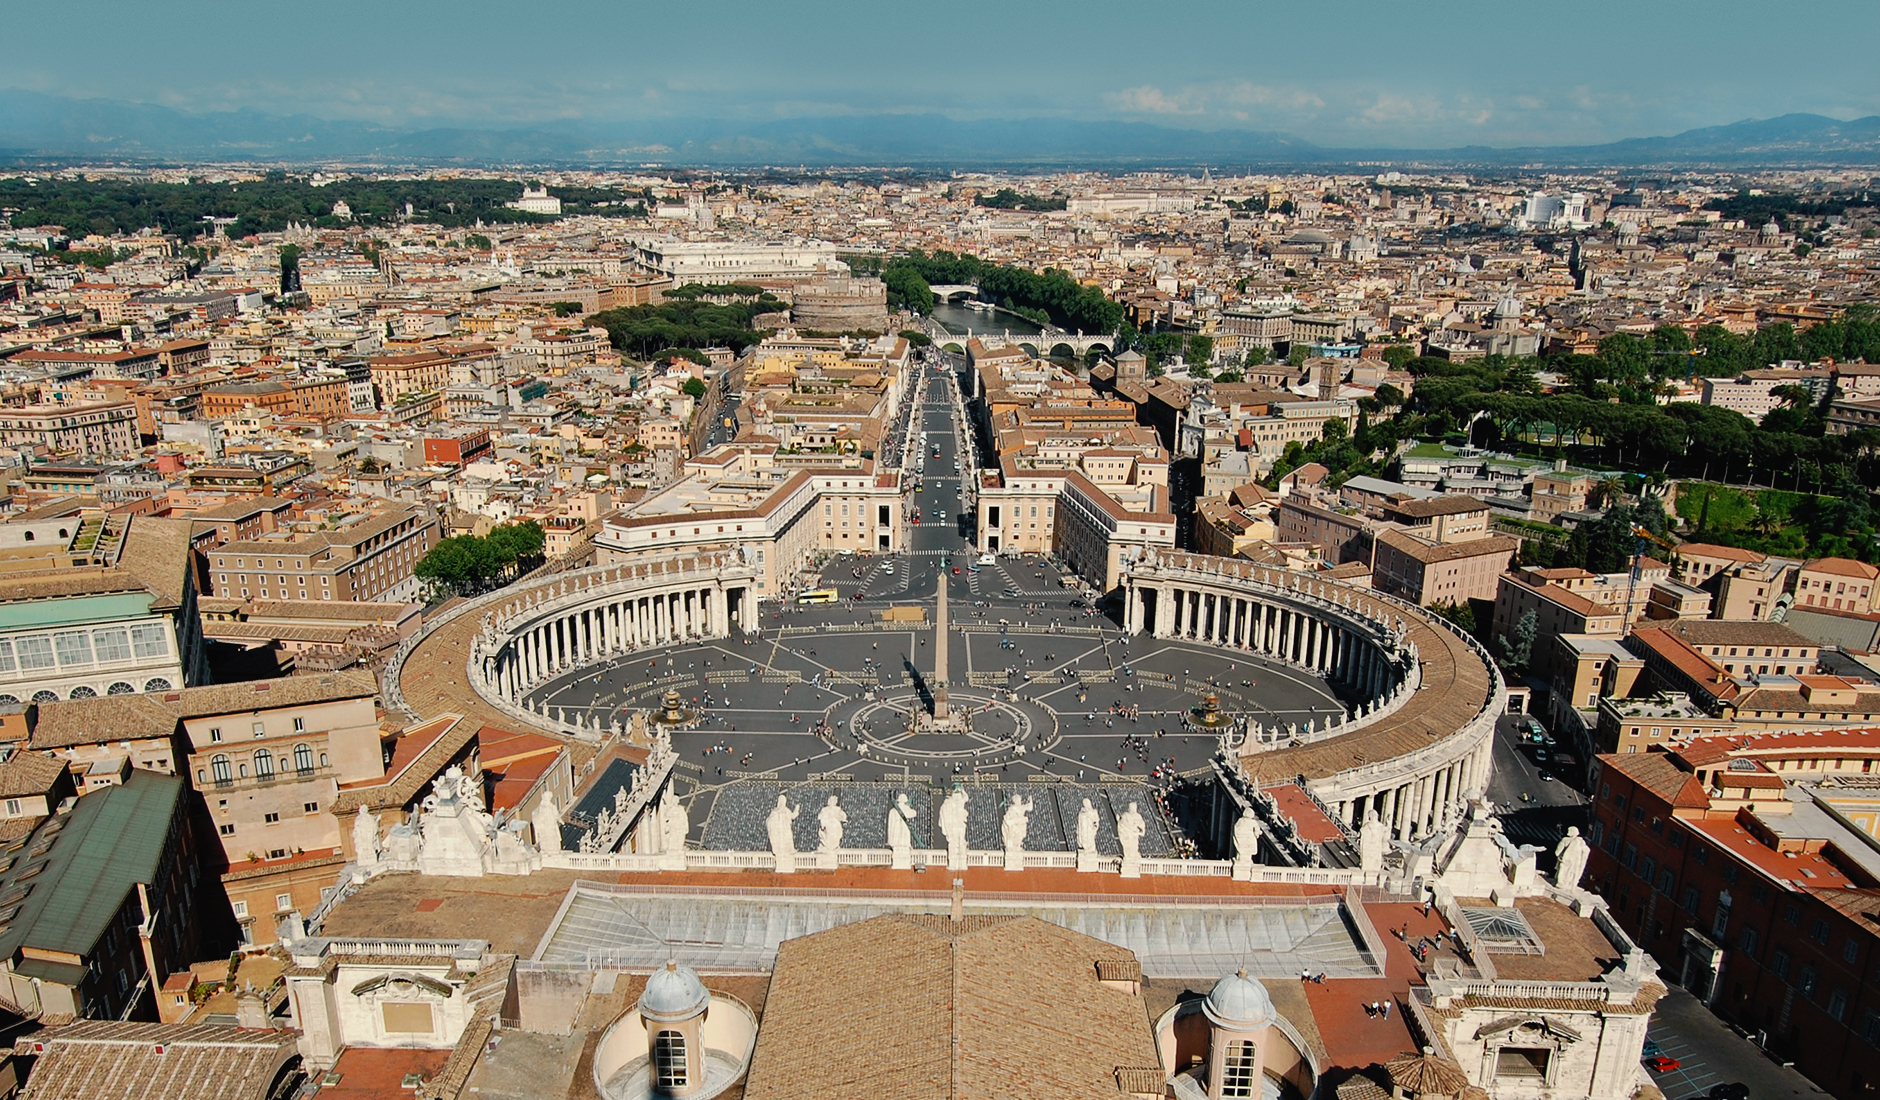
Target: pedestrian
x,y
1305,975
1387,1010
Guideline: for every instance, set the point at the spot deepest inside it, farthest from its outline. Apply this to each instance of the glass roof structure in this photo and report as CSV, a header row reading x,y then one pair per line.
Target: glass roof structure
x,y
604,926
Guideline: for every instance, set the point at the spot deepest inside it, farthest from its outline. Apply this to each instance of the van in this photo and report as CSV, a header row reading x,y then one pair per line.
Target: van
x,y
986,559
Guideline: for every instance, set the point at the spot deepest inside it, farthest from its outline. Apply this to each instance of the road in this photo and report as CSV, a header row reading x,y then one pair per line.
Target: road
x,y
1713,1054
1532,810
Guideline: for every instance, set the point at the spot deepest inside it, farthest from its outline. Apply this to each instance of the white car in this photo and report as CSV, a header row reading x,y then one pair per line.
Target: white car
x,y
986,559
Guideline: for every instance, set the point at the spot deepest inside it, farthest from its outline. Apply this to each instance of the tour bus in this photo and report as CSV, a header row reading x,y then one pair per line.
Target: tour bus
x,y
818,595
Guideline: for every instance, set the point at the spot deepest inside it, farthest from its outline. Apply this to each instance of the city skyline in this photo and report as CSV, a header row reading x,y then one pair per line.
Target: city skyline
x,y
1354,76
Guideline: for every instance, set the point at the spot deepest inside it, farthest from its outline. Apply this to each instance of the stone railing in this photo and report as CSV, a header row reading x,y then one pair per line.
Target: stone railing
x,y
404,948
936,858
1525,991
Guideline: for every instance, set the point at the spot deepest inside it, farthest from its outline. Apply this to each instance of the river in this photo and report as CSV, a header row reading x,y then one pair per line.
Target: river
x,y
958,319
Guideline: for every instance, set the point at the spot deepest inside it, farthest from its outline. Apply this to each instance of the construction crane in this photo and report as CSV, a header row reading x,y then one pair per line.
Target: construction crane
x,y
1639,535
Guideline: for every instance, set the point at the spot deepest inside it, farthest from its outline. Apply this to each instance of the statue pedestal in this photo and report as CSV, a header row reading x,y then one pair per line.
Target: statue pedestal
x,y
1086,861
956,860
1132,868
1243,870
672,861
903,859
1014,859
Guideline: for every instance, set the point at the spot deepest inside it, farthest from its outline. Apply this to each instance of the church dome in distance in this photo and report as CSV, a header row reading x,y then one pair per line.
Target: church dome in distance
x,y
673,994
1239,1002
1509,307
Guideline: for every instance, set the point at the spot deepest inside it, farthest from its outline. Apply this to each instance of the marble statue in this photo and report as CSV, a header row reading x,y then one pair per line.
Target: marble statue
x,y
673,824
953,827
546,822
1246,843
829,822
1371,842
1087,822
365,838
1012,829
1570,859
900,834
781,825
1129,831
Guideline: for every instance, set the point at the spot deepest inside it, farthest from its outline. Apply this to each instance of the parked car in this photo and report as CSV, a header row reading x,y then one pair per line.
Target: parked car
x,y
1662,1063
1651,1048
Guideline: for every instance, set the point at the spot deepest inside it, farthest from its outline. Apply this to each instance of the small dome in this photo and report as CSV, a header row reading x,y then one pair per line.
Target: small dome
x,y
1239,1002
1509,306
674,993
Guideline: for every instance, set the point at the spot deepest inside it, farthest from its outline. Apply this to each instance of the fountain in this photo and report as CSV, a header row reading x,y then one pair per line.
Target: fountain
x,y
1208,715
674,712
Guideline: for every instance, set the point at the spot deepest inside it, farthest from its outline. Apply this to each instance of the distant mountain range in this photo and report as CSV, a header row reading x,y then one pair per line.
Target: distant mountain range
x,y
38,126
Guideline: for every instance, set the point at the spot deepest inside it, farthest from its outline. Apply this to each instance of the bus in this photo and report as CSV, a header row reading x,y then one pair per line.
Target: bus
x,y
818,595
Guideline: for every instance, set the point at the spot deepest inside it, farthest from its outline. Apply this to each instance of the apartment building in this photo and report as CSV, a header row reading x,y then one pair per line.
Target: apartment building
x,y
776,514
1837,584
1096,534
269,758
97,430
395,376
1432,573
1558,609
370,559
1745,872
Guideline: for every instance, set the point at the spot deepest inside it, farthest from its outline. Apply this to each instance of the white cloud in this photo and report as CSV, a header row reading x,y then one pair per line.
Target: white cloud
x,y
1149,100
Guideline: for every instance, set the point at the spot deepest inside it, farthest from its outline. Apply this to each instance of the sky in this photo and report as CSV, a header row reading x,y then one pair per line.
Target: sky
x,y
1343,73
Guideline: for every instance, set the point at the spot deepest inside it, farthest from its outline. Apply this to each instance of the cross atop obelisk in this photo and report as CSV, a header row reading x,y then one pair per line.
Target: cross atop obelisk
x,y
940,656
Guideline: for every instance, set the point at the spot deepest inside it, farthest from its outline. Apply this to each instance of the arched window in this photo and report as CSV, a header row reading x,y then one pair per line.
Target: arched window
x,y
264,764
158,684
669,1060
120,688
45,696
218,767
303,759
83,692
1237,1070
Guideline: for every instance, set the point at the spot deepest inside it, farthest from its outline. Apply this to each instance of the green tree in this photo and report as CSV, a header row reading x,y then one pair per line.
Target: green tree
x,y
522,541
461,563
1517,648
1298,355
1462,614
693,388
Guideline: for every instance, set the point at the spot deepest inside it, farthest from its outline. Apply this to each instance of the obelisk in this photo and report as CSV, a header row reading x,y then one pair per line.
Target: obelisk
x,y
940,656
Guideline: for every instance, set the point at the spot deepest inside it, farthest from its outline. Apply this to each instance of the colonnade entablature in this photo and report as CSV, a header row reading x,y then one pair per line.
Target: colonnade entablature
x,y
536,630
1422,696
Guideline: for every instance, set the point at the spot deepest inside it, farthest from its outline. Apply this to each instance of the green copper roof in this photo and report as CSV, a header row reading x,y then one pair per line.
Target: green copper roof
x,y
77,867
